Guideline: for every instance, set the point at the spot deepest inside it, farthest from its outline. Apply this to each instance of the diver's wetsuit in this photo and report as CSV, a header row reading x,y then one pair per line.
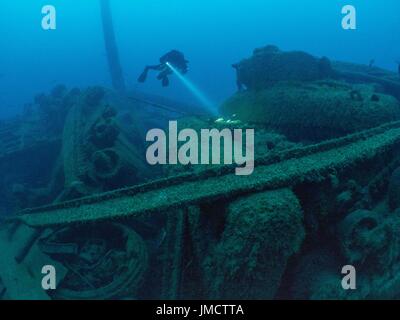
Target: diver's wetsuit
x,y
175,58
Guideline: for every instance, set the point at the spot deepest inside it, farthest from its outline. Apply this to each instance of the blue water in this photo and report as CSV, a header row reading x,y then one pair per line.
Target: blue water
x,y
213,34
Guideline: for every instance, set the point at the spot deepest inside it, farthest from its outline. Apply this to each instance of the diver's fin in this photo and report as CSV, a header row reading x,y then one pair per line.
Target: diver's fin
x,y
143,76
165,82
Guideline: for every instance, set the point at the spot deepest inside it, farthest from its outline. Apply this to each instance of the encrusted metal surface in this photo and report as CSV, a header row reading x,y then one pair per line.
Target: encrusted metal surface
x,y
284,169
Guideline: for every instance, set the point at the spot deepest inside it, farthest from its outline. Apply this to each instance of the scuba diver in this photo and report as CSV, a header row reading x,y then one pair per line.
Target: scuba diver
x,y
175,58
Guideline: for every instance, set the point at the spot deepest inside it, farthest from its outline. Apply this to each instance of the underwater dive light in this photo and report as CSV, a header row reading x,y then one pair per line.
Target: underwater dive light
x,y
195,91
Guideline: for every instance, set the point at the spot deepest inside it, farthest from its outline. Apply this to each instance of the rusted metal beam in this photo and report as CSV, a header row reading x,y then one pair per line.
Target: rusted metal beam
x,y
284,169
117,76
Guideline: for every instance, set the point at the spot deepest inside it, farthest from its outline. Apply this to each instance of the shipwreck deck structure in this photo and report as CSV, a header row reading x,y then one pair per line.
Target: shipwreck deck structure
x,y
282,170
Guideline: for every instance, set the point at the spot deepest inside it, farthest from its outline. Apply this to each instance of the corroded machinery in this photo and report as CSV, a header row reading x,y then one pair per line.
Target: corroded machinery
x,y
284,169
324,198
209,235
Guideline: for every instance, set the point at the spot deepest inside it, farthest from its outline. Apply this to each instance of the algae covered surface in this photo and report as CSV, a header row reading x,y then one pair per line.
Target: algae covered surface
x,y
316,218
323,194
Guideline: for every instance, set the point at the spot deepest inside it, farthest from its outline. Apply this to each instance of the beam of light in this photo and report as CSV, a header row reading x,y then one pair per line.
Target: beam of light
x,y
194,90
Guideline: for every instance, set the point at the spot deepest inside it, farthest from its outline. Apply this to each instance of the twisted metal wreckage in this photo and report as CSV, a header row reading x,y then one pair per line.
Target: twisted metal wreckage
x,y
284,231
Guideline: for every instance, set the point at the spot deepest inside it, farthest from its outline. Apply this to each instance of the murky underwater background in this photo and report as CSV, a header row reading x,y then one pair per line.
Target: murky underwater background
x,y
77,191
212,34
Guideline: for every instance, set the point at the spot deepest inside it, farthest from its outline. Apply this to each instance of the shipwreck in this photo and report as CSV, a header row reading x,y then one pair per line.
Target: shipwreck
x,y
324,193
